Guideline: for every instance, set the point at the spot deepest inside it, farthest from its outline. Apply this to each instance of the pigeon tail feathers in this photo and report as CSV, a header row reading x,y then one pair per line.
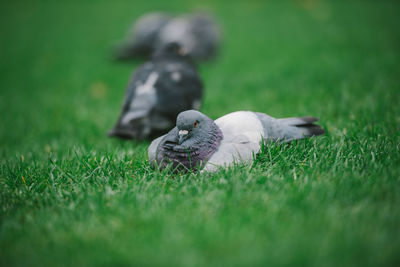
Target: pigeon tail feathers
x,y
304,127
298,121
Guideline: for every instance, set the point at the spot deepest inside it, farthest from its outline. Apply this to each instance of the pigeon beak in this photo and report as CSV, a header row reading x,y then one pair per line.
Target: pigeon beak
x,y
182,134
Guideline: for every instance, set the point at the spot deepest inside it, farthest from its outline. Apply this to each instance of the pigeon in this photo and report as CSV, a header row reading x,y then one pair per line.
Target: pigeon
x,y
142,39
197,33
199,143
159,90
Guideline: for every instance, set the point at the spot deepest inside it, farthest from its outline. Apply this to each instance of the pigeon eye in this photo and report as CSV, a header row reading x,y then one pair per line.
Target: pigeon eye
x,y
195,124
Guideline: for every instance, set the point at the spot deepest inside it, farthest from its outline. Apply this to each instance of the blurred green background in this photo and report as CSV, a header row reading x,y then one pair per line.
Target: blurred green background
x,y
69,195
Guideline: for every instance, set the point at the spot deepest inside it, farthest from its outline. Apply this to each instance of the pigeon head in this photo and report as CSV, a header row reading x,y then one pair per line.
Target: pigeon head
x,y
192,142
170,50
191,124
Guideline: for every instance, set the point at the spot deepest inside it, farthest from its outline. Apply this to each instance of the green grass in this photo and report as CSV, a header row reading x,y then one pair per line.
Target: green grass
x,y
71,196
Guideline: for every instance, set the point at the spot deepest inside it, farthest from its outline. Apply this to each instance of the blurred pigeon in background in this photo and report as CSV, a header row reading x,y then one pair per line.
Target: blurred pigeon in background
x,y
197,33
142,39
158,91
198,142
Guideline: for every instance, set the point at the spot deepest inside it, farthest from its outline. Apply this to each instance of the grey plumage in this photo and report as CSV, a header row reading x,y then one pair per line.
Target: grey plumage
x,y
158,91
235,137
288,129
142,40
197,33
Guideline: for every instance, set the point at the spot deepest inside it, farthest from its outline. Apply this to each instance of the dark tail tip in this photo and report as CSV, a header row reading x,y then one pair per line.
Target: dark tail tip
x,y
314,129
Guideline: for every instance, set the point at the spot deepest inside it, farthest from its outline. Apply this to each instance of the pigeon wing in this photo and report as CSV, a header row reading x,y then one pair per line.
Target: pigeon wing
x,y
242,149
242,136
140,99
139,78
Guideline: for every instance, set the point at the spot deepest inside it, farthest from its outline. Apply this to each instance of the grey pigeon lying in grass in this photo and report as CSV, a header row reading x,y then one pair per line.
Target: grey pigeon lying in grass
x,y
198,142
158,91
198,34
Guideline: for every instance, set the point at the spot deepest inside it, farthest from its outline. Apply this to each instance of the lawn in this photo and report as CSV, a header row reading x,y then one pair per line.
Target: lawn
x,y
71,196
